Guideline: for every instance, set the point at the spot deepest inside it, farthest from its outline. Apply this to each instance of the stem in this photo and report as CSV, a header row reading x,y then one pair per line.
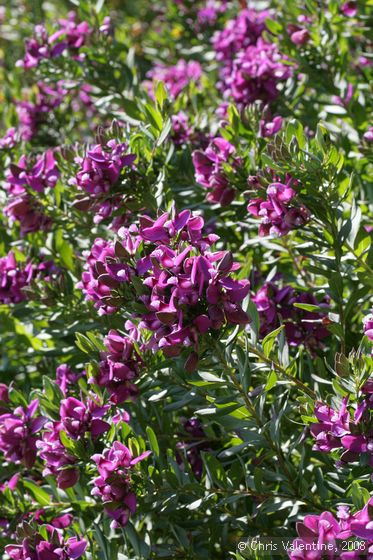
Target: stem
x,y
251,408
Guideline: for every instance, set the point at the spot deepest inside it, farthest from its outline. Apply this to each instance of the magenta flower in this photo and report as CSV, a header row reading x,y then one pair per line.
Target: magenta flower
x,y
276,305
279,212
338,429
113,485
368,326
78,418
318,529
70,36
186,289
209,170
56,548
9,140
24,209
118,368
298,35
44,173
176,78
66,378
368,135
13,278
58,461
101,167
239,33
18,431
332,426
270,128
255,74
322,536
181,131
349,9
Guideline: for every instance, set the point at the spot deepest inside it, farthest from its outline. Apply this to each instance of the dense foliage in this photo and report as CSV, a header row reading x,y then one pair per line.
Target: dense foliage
x,y
185,277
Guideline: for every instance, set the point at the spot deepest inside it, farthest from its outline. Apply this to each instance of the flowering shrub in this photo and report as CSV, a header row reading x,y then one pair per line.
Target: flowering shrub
x,y
186,274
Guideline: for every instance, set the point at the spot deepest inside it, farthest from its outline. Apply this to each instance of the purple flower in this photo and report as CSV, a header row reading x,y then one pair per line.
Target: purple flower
x,y
322,536
270,128
368,135
208,15
78,418
278,212
298,35
165,268
70,36
176,78
66,377
239,33
18,431
368,326
301,327
113,485
100,170
55,548
181,131
209,171
331,427
13,278
44,173
344,100
9,140
24,209
318,529
101,167
118,368
58,461
349,9
255,74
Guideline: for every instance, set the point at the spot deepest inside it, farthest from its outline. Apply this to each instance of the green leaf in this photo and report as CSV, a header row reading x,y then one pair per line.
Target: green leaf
x,y
160,94
152,440
269,340
271,382
40,495
273,26
154,117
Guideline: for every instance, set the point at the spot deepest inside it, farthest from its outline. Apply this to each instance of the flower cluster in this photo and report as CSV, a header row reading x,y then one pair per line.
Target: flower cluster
x,y
70,36
176,78
251,67
13,278
210,173
183,288
239,33
118,368
78,418
23,178
321,534
38,176
276,305
35,547
256,73
99,171
58,461
18,430
337,429
113,485
279,211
